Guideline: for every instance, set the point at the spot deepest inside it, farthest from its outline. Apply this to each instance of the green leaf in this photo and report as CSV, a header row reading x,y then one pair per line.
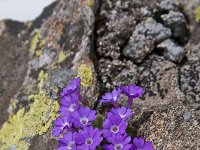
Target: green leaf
x,y
130,131
98,148
98,122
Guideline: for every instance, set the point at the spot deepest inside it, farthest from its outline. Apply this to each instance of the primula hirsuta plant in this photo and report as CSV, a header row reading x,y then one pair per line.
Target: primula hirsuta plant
x,y
75,127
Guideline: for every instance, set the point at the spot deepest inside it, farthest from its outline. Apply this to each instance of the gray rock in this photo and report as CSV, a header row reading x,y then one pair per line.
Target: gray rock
x,y
177,22
115,33
145,11
62,42
151,28
143,39
168,5
159,79
116,73
171,50
139,47
187,116
190,81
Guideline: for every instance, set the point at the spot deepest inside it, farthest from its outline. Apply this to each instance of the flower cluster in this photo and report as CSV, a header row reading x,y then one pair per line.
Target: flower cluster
x,y
75,127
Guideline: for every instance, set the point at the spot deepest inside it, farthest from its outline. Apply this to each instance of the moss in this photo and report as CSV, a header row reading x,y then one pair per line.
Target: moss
x,y
197,13
85,74
36,121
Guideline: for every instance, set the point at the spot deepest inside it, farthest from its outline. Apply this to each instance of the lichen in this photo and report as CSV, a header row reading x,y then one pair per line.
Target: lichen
x,y
35,41
42,43
38,53
62,56
197,13
85,74
11,131
89,3
24,125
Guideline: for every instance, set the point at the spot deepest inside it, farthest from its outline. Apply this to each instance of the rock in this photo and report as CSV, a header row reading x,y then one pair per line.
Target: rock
x,y
187,116
159,79
168,5
114,72
190,81
151,28
13,62
139,47
177,22
114,34
40,59
145,11
143,39
171,50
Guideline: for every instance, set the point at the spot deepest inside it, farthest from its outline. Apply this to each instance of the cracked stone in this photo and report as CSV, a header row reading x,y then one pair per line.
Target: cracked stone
x,y
114,34
190,81
171,50
138,48
146,35
153,29
168,5
114,72
177,22
159,79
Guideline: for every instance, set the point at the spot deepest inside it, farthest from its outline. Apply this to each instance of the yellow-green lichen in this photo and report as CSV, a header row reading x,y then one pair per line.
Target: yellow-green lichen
x,y
85,74
197,13
89,3
42,43
35,41
62,56
37,44
24,125
11,131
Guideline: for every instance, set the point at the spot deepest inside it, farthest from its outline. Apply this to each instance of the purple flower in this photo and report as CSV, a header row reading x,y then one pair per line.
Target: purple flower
x,y
68,104
132,92
83,116
118,142
88,138
140,144
72,87
60,124
123,112
112,97
67,142
113,126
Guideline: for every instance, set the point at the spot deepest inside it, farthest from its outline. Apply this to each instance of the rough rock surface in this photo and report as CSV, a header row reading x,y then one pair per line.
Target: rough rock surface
x,y
114,72
59,41
142,42
168,5
177,22
171,50
42,56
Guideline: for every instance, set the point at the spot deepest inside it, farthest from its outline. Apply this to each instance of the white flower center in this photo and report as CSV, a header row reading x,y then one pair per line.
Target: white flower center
x,y
122,115
84,120
114,129
70,145
118,147
89,141
65,124
72,107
